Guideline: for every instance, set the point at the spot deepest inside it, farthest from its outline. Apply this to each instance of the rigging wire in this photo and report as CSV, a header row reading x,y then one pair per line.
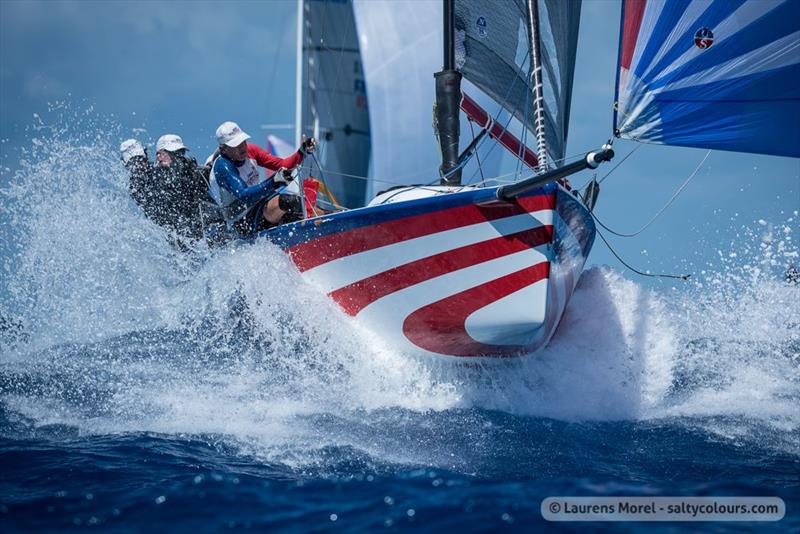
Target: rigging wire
x,y
321,171
629,154
334,202
524,137
637,271
477,156
498,179
461,165
658,213
584,186
500,109
663,208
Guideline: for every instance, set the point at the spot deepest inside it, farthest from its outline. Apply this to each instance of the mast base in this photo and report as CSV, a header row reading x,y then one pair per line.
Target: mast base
x,y
446,123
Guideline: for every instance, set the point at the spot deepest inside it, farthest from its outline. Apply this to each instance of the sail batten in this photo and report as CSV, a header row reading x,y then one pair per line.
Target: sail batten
x,y
711,74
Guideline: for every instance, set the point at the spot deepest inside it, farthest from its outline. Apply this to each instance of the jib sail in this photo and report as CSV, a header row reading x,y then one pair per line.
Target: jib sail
x,y
522,54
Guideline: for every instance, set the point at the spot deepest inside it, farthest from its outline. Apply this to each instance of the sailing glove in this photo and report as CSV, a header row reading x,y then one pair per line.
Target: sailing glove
x,y
307,146
283,176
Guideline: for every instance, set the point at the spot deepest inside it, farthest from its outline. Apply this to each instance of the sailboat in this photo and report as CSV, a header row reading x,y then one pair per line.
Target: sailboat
x,y
449,270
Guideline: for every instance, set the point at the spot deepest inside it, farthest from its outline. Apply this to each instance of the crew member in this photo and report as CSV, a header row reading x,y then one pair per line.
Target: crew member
x,y
183,186
169,193
248,202
142,186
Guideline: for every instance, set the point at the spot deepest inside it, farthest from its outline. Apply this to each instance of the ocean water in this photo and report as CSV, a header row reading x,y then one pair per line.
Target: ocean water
x,y
142,388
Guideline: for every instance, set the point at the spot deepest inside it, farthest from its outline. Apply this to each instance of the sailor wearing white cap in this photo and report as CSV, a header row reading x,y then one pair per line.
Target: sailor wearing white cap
x,y
236,186
141,185
230,134
131,148
166,147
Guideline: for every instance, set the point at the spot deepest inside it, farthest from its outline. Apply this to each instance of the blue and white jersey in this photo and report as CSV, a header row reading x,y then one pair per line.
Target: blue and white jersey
x,y
229,183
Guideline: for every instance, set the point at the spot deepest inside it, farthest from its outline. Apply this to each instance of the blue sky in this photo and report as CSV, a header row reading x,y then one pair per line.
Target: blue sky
x,y
184,67
181,67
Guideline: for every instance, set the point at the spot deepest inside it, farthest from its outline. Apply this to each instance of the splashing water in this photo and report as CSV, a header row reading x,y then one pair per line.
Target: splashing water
x,y
116,332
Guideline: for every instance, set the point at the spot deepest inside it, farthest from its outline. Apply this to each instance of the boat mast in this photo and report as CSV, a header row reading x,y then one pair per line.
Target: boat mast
x,y
298,106
298,102
448,96
536,83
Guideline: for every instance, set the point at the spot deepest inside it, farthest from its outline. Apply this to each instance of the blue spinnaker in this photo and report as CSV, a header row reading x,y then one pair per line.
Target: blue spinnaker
x,y
721,74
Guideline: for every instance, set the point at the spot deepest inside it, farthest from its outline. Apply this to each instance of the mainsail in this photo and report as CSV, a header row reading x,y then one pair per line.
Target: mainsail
x,y
333,102
501,40
721,74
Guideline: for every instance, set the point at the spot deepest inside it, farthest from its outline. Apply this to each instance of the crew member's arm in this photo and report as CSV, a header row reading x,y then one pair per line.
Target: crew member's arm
x,y
273,163
228,177
139,169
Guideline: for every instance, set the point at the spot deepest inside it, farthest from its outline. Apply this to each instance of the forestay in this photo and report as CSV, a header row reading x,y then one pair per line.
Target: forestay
x,y
334,97
495,42
720,75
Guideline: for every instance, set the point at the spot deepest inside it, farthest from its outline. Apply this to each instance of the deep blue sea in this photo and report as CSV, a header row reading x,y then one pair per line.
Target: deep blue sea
x,y
145,389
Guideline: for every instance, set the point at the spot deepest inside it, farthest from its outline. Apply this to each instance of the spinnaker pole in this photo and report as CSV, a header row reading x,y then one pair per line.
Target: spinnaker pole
x,y
590,161
446,108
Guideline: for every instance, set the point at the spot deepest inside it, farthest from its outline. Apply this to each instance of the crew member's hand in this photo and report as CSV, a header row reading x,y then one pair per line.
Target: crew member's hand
x,y
283,176
308,145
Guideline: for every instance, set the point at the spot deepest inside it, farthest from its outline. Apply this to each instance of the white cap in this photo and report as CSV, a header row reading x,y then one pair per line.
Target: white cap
x,y
170,143
230,134
130,148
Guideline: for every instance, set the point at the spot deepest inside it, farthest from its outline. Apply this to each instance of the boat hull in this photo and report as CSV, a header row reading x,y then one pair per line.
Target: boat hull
x,y
459,275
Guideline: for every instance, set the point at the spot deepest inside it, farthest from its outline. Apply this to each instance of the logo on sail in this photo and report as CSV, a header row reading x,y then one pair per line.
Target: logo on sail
x,y
704,38
481,25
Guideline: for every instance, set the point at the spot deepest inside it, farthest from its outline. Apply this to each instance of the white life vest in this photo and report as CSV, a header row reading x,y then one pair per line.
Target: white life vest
x,y
227,201
248,171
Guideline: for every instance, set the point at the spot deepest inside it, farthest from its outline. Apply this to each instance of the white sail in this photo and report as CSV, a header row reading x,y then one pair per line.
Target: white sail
x,y
401,48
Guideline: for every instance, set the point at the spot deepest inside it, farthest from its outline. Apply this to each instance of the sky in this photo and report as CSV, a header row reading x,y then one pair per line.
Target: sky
x,y
184,67
181,67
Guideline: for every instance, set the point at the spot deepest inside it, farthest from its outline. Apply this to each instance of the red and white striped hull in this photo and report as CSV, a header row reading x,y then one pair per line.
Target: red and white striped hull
x,y
456,275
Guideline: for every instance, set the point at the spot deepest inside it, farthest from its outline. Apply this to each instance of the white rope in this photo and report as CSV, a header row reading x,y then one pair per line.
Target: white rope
x,y
629,154
663,209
